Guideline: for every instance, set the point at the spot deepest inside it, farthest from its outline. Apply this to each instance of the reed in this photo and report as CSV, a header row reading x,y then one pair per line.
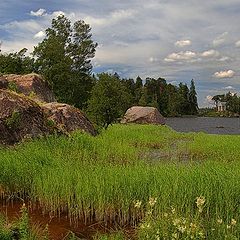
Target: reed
x,y
110,178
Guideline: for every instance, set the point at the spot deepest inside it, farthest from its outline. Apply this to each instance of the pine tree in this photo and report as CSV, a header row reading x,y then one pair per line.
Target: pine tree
x,y
193,99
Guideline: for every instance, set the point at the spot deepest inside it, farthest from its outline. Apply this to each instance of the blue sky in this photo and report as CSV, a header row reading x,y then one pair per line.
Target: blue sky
x,y
178,40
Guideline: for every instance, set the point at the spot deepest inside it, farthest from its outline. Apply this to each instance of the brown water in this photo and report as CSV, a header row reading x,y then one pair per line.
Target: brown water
x,y
211,125
59,227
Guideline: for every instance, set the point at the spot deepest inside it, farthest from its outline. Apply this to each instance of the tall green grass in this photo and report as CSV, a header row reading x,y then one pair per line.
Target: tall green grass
x,y
101,178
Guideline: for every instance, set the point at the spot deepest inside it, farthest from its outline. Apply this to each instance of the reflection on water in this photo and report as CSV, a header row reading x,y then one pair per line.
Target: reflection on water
x,y
205,124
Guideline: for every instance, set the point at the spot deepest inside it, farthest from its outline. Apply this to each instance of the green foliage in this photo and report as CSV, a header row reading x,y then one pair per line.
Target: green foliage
x,y
19,229
193,99
109,100
12,86
16,63
71,236
14,121
23,224
51,123
111,236
32,94
5,232
64,59
129,172
171,100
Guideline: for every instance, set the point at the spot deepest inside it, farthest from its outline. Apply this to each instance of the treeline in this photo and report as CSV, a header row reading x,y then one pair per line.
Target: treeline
x,y
64,59
232,101
171,100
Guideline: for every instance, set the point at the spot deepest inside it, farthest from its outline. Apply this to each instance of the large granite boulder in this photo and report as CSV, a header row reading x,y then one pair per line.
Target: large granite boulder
x,y
20,117
66,118
143,115
28,110
32,85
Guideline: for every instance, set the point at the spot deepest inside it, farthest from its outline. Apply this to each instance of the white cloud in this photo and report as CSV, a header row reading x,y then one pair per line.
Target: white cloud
x,y
57,13
229,87
224,74
21,27
123,14
40,12
224,59
173,82
40,35
209,99
220,39
111,19
237,44
153,59
210,53
183,43
187,55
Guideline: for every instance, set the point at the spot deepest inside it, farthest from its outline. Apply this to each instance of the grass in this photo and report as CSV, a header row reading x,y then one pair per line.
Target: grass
x,y
100,179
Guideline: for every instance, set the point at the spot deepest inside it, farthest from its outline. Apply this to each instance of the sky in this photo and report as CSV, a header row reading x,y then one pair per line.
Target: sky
x,y
177,40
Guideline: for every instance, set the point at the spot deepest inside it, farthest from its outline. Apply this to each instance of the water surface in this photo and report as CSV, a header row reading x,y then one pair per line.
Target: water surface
x,y
212,125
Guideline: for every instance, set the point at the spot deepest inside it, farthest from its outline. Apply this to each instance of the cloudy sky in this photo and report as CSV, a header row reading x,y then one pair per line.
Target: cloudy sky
x,y
178,40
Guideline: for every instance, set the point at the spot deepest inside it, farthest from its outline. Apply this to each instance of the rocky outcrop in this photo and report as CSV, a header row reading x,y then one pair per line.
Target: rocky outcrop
x,y
143,115
66,118
20,118
32,85
28,110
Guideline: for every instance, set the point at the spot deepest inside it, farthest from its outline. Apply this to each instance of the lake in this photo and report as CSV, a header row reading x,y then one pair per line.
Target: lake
x,y
212,125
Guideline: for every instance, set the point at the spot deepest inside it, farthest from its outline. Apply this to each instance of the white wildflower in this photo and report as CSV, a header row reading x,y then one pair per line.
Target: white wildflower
x,y
152,201
219,221
233,222
200,202
182,229
138,204
176,221
173,210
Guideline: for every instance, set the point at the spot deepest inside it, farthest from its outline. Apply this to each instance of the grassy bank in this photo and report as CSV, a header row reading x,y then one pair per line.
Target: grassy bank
x,y
146,177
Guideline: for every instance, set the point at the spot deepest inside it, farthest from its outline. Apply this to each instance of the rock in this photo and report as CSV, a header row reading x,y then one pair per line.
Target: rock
x,y
32,85
20,117
3,83
67,118
143,115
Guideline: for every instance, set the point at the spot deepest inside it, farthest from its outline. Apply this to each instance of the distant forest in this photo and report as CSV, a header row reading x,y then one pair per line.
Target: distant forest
x,y
63,58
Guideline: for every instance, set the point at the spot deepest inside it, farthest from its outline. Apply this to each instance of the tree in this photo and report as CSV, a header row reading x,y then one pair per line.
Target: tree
x,y
184,105
64,59
193,98
173,101
138,90
109,100
17,63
